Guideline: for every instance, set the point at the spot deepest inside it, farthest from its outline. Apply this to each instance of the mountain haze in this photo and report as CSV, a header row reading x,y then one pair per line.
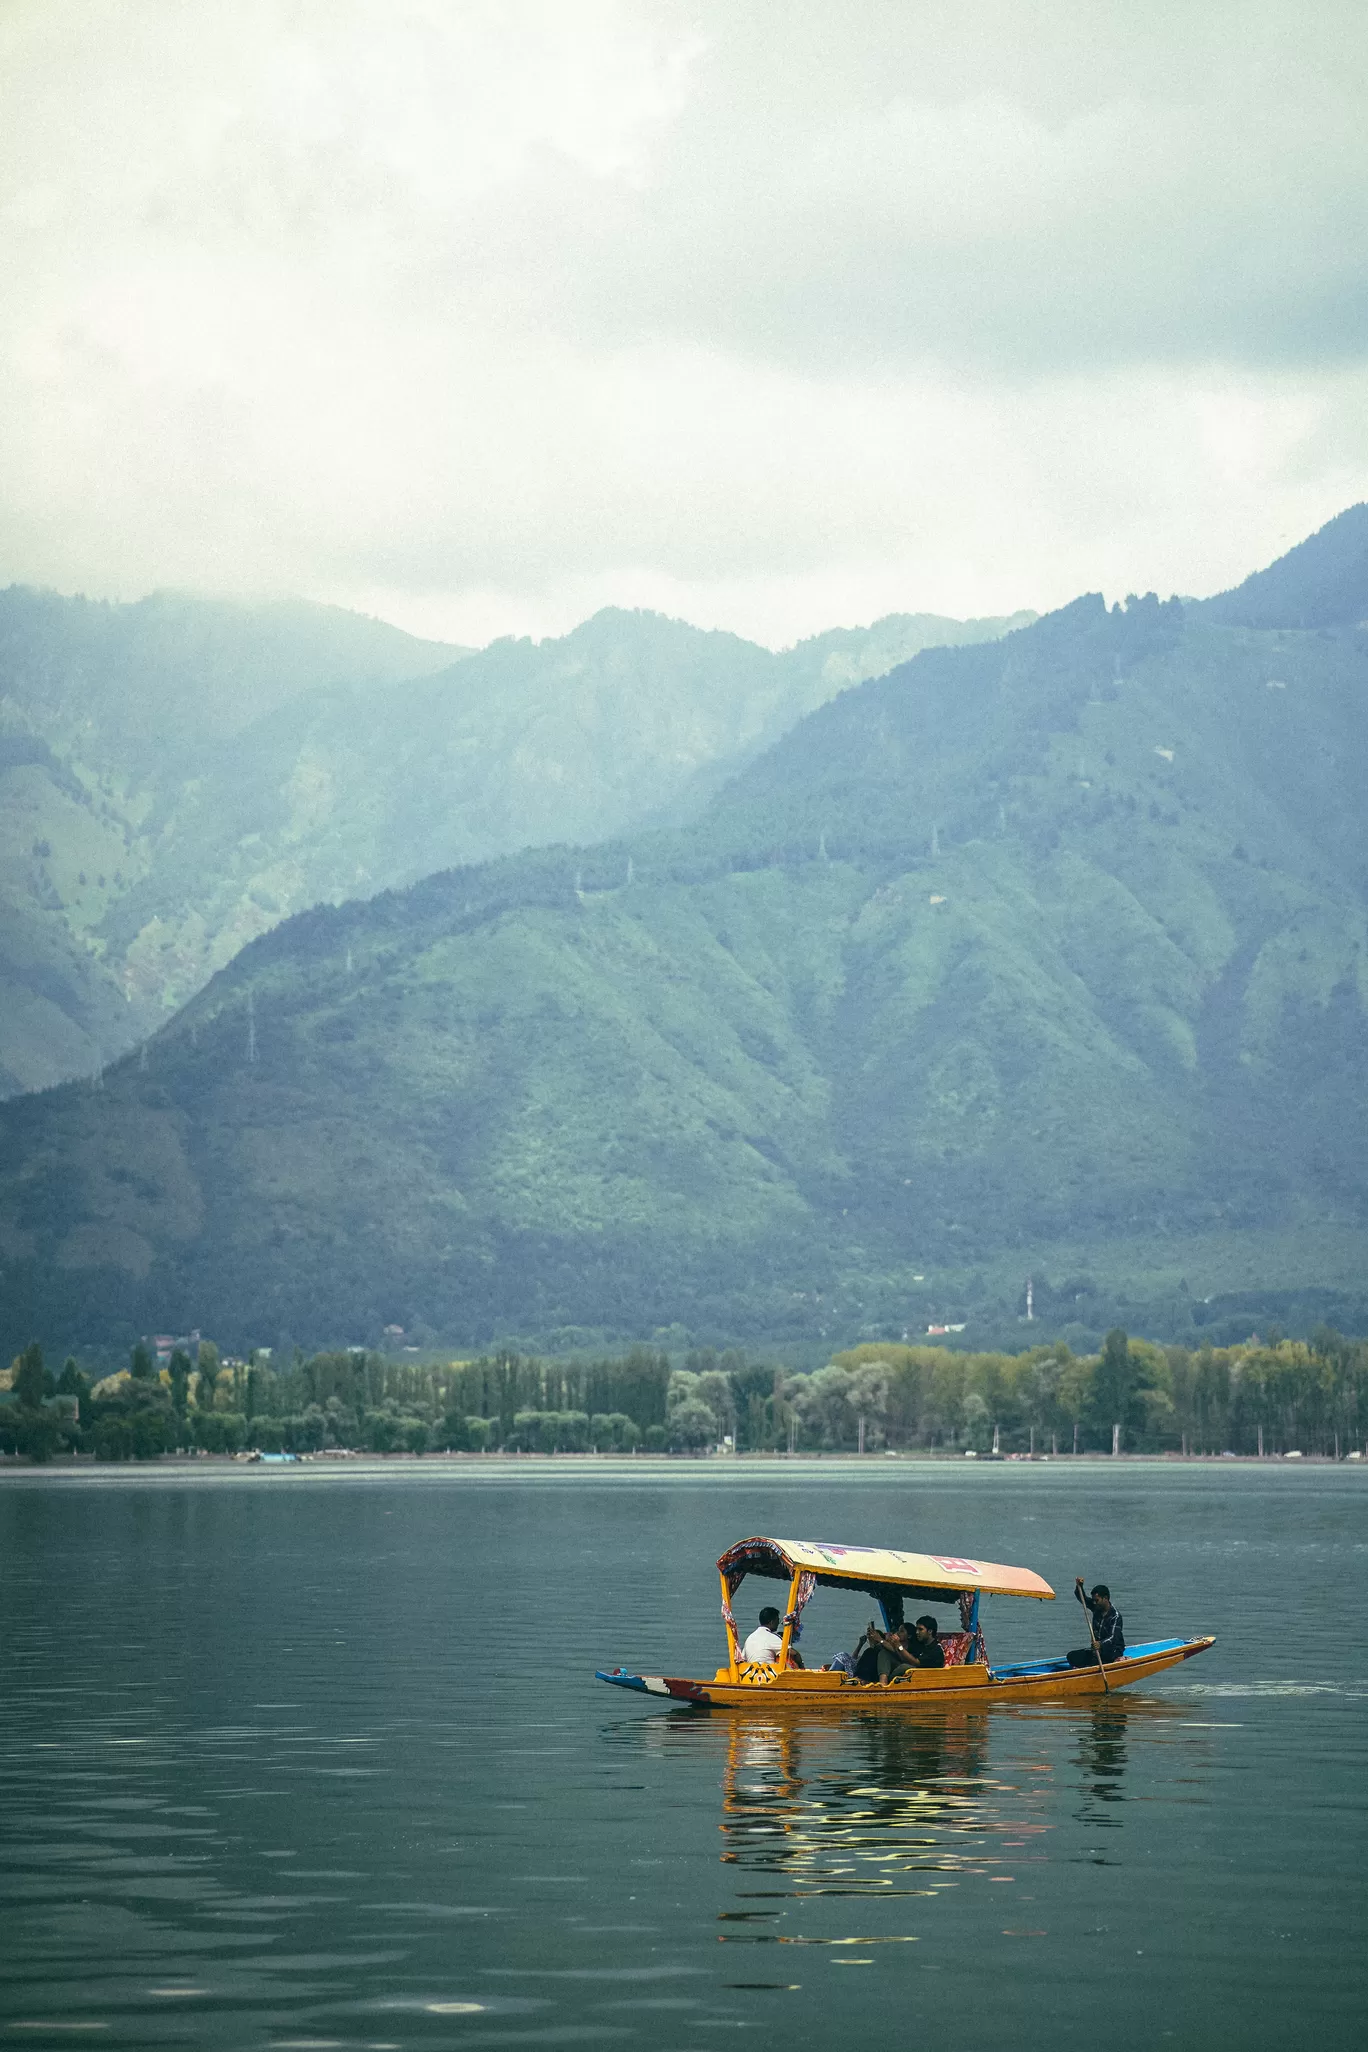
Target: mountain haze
x,y
179,775
111,718
1042,957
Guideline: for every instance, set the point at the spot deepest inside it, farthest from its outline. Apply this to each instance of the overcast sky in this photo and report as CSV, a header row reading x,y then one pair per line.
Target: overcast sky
x,y
772,316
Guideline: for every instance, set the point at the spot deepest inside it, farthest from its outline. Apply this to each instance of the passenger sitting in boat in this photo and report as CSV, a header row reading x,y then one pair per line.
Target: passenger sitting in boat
x,y
881,1654
914,1645
763,1647
864,1661
927,1649
1106,1624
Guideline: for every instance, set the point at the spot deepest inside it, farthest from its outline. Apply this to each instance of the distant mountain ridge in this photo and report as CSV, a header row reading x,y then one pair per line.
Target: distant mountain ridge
x,y
178,775
1044,957
174,670
1323,582
108,717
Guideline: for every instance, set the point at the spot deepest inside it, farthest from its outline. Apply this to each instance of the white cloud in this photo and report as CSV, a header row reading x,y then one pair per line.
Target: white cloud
x,y
481,316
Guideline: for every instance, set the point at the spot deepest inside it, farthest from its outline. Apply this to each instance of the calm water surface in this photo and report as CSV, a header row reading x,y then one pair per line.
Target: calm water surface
x,y
308,1758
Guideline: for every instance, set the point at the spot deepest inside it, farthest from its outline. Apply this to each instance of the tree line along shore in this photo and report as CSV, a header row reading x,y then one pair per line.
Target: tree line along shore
x,y
1267,1396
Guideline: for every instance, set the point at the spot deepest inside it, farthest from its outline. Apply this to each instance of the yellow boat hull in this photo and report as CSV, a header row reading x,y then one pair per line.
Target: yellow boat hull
x,y
915,1689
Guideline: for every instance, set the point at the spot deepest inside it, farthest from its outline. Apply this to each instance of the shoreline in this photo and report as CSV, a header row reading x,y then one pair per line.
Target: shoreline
x,y
76,1467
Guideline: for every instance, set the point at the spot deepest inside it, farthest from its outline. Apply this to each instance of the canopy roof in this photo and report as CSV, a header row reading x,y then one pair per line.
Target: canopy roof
x,y
876,1567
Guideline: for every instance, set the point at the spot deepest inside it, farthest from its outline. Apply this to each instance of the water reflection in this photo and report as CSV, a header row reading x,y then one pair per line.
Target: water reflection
x,y
878,1805
1101,1738
238,1812
872,1808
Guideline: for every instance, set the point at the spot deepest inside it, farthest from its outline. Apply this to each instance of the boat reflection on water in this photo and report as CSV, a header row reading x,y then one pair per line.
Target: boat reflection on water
x,y
888,1805
911,1806
1101,1740
879,1807
990,1811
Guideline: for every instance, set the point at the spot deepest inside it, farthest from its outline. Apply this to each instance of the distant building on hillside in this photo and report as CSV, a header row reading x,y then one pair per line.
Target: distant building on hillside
x,y
164,1345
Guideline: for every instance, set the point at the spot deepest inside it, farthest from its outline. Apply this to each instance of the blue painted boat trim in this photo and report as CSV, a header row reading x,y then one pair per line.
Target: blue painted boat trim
x,y
1024,1669
1021,1669
621,1679
678,1688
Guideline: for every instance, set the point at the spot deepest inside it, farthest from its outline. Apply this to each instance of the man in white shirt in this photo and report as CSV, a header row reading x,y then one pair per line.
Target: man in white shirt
x,y
763,1647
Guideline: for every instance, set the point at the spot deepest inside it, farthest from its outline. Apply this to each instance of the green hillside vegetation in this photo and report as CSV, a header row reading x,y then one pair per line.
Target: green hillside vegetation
x,y
1267,1398
1043,958
112,718
178,776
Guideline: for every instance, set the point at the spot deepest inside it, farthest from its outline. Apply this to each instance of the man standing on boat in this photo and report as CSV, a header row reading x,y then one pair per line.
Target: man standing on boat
x,y
1110,1643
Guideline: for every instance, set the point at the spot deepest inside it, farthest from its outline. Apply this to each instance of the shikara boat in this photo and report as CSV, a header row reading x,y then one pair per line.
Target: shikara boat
x,y
891,1577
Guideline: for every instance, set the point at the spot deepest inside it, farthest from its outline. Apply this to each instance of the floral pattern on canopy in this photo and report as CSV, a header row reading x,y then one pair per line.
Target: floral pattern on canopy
x,y
936,1576
761,1557
806,1585
751,1557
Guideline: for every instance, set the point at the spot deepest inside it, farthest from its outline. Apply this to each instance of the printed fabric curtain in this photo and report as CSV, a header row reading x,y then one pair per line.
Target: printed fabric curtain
x,y
734,1578
806,1584
968,1610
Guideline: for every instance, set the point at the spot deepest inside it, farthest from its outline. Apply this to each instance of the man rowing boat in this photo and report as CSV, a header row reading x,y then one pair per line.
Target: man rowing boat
x,y
1110,1642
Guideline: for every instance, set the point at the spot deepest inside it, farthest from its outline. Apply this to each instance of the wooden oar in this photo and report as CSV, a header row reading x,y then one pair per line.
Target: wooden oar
x,y
1106,1685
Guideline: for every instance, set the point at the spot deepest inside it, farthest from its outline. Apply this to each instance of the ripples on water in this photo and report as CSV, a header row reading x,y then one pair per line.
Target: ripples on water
x,y
298,1761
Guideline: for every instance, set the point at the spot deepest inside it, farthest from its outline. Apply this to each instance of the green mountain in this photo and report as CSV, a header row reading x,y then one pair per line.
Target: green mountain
x,y
1037,958
112,720
179,775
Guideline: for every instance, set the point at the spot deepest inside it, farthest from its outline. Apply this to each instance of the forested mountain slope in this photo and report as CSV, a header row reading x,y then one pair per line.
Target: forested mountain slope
x,y
1042,957
179,775
1323,582
114,720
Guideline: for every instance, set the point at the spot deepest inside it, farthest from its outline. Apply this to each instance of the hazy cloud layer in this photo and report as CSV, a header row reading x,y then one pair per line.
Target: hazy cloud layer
x,y
483,315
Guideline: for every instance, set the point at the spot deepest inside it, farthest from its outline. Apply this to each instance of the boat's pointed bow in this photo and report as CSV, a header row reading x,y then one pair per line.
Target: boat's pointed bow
x,y
619,1678
675,1686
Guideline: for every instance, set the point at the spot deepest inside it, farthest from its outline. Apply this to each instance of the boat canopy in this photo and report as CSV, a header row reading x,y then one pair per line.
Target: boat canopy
x,y
875,1568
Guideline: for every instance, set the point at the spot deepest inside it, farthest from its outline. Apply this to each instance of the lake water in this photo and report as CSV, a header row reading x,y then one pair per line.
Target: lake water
x,y
309,1758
